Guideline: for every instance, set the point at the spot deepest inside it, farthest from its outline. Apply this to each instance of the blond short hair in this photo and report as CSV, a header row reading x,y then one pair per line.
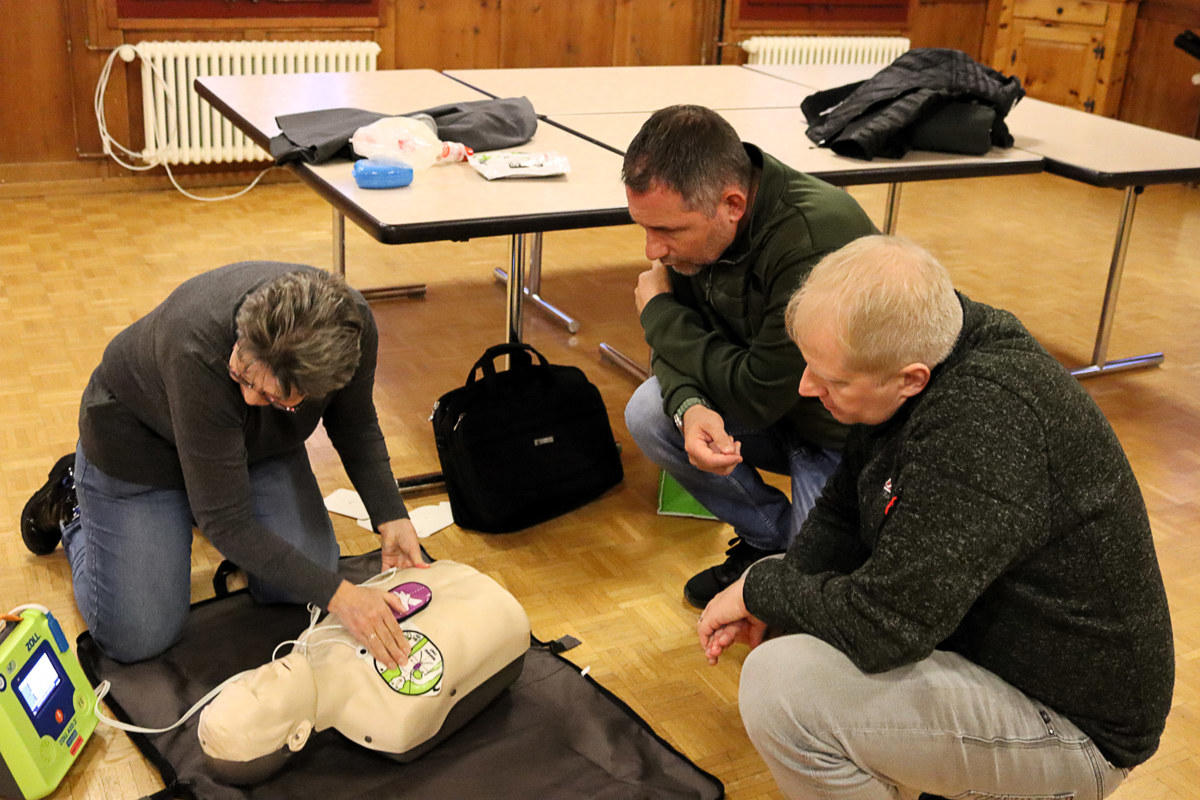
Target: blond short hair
x,y
891,301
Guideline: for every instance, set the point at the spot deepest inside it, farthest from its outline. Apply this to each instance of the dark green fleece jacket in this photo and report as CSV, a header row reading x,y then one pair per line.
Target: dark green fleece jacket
x,y
721,336
996,516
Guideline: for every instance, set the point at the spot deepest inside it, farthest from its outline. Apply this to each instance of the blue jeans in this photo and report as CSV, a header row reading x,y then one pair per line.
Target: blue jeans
x,y
943,725
130,549
759,513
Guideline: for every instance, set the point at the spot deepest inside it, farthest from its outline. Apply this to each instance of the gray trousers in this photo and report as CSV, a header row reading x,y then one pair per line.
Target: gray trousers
x,y
943,725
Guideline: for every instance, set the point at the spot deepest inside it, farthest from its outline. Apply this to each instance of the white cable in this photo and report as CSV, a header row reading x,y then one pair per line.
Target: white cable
x,y
102,691
302,645
127,52
16,612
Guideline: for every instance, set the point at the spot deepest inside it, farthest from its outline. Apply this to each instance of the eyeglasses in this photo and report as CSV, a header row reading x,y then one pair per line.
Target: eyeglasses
x,y
270,398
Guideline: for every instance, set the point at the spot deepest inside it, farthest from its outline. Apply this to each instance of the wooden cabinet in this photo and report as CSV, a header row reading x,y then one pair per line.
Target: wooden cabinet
x,y
1070,52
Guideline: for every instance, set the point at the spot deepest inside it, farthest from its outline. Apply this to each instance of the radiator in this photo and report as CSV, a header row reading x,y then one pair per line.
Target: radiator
x,y
881,50
182,128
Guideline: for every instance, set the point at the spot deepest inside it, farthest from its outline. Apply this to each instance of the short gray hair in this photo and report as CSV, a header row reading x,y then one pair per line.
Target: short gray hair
x,y
691,150
892,304
305,328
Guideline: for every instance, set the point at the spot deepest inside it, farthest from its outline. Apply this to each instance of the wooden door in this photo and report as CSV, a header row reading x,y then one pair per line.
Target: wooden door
x,y
1057,63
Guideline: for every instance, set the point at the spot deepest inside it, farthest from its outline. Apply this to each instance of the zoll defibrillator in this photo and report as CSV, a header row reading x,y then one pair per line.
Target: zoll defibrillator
x,y
47,706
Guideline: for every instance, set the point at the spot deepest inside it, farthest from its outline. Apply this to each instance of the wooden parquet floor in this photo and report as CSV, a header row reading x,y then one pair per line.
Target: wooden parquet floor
x,y
75,269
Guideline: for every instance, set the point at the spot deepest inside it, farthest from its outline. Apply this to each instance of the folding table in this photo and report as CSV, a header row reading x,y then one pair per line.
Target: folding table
x,y
444,202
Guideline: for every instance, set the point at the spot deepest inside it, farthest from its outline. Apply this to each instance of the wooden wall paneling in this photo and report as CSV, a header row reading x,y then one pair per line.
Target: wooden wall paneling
x,y
995,30
386,35
957,24
92,43
37,82
1118,32
447,34
538,33
658,32
1159,92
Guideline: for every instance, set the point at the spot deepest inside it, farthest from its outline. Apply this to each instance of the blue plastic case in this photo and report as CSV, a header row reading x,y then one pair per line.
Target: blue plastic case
x,y
370,174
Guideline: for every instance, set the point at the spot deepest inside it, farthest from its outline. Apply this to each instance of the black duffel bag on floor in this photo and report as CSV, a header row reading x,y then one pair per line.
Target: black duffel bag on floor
x,y
524,445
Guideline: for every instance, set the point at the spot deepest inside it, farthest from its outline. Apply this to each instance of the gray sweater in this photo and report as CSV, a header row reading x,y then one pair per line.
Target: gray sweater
x,y
162,411
996,516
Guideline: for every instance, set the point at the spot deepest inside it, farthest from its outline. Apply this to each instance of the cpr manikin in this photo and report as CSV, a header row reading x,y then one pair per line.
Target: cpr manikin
x,y
468,638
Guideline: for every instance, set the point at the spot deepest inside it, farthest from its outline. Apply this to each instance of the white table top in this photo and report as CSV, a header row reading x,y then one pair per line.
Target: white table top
x,y
780,132
1102,151
254,101
448,201
597,90
818,76
1086,147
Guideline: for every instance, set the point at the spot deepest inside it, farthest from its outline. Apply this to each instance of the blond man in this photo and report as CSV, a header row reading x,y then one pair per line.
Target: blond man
x,y
973,608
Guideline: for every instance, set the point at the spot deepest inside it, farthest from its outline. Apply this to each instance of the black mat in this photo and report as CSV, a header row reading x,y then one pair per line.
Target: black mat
x,y
554,735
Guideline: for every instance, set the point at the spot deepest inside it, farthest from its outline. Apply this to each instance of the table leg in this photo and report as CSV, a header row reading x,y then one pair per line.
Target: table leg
x,y
533,287
1100,365
892,209
423,482
624,362
513,319
339,266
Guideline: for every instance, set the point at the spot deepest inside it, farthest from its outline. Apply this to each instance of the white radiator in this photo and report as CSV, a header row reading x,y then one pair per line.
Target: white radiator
x,y
182,128
881,50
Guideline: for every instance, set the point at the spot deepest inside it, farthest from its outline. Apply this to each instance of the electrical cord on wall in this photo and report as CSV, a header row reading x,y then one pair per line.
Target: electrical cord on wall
x,y
127,52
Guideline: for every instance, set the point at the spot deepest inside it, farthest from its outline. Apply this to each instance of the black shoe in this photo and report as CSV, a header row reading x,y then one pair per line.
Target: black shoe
x,y
706,585
51,507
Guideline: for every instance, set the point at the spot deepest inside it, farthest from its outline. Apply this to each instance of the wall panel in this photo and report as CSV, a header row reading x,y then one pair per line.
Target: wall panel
x,y
663,32
546,33
1159,91
948,23
446,34
37,86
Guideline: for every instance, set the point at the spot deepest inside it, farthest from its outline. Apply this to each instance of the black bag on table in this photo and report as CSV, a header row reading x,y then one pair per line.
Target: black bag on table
x,y
524,445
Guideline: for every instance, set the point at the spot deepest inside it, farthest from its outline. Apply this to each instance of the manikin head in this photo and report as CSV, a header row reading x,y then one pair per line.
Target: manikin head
x,y
260,719
872,320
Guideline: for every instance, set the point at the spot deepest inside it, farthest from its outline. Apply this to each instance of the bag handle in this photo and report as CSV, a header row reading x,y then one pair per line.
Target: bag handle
x,y
519,358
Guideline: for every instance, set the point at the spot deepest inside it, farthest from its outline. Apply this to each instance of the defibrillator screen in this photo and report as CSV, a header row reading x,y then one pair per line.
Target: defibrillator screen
x,y
38,683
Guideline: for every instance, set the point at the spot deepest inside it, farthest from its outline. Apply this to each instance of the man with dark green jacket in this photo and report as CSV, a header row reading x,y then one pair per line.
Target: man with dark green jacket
x,y
731,232
973,608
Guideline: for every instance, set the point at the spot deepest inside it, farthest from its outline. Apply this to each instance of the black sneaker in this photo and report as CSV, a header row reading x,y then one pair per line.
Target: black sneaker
x,y
51,507
706,585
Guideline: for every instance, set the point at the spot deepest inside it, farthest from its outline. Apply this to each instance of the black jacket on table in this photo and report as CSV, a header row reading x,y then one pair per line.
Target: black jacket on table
x,y
996,516
928,98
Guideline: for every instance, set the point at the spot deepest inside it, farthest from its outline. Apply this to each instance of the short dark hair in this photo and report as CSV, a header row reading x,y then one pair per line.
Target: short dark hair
x,y
305,328
688,149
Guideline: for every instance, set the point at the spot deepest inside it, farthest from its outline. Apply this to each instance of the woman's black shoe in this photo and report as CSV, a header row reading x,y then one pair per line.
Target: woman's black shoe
x,y
51,507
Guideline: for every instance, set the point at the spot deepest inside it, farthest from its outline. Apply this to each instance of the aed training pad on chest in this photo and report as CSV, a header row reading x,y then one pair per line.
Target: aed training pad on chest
x,y
369,174
414,596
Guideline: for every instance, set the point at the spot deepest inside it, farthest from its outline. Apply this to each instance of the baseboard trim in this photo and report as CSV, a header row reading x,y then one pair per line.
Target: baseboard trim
x,y
67,179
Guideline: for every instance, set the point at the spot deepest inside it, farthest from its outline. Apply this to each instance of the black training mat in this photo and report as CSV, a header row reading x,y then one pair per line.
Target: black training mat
x,y
552,734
